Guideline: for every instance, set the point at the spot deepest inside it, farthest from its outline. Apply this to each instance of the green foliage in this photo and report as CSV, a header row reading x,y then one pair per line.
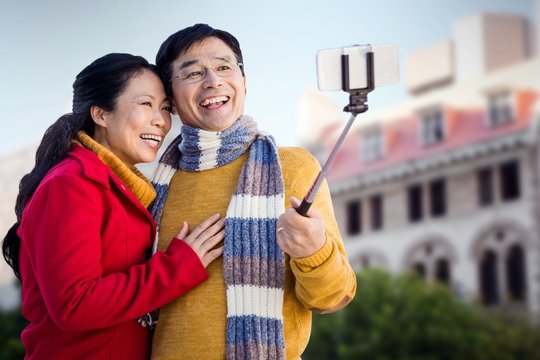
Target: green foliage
x,y
12,323
403,318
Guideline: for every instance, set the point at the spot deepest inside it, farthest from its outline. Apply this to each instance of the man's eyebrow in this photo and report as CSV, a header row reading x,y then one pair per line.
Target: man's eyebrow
x,y
224,58
188,63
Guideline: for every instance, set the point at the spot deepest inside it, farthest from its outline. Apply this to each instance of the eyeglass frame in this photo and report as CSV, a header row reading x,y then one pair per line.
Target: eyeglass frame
x,y
205,70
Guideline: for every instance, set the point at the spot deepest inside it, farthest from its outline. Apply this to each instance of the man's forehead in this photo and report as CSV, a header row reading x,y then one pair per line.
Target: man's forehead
x,y
210,48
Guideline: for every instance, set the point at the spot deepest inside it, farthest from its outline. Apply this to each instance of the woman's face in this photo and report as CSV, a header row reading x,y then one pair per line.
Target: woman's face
x,y
135,129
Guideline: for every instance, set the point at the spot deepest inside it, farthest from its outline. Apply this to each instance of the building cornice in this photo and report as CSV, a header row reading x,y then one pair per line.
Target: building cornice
x,y
431,162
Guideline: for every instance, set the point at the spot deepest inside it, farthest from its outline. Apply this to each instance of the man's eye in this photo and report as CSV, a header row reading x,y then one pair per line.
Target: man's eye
x,y
194,74
224,68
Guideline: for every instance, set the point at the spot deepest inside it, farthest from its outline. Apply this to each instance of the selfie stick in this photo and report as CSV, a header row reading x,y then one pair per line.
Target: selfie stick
x,y
357,105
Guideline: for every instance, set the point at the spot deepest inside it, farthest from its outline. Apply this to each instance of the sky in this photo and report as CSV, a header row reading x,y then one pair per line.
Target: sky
x,y
45,44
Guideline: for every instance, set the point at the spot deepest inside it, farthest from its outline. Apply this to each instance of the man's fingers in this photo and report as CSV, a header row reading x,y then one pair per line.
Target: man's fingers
x,y
295,203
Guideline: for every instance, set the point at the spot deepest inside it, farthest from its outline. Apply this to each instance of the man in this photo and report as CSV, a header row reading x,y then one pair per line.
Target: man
x,y
258,299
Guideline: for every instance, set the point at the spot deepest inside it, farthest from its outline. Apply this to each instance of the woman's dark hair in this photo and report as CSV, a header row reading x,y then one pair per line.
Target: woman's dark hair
x,y
99,84
179,42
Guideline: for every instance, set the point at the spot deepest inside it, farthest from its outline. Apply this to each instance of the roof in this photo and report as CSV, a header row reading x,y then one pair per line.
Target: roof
x,y
402,137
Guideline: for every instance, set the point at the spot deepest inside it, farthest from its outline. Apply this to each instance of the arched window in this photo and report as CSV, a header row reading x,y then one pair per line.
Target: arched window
x,y
442,270
488,278
420,269
515,273
369,258
432,260
502,270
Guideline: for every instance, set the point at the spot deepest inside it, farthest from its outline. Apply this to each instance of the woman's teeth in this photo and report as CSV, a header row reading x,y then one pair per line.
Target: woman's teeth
x,y
151,139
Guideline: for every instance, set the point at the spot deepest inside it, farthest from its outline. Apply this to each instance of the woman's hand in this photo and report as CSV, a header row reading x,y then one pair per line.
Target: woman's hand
x,y
300,236
204,237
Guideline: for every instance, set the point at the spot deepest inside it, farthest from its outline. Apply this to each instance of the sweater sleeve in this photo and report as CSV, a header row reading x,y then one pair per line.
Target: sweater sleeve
x,y
324,281
62,242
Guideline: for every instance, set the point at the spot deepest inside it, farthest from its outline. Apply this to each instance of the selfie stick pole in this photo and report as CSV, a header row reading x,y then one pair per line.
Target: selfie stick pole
x,y
357,105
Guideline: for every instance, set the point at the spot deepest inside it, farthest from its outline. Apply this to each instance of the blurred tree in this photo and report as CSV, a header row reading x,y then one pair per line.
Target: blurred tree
x,y
10,344
11,325
403,318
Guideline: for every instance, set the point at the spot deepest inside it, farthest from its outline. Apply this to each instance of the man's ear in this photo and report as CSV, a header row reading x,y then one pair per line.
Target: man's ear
x,y
99,116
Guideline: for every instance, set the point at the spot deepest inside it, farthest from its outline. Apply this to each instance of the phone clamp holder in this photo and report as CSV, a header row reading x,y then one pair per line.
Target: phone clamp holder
x,y
357,105
357,97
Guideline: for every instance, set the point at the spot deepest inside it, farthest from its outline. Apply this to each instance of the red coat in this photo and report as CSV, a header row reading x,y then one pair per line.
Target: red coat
x,y
85,279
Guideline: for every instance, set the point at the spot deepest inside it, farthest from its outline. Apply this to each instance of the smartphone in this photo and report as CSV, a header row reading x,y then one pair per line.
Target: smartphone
x,y
385,60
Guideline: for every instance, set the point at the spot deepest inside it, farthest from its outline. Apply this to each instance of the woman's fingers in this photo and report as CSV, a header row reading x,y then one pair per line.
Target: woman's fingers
x,y
183,231
206,234
203,226
204,237
212,241
211,256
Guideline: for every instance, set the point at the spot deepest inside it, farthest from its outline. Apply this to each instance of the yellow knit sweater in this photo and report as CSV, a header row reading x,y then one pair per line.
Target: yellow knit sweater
x,y
194,326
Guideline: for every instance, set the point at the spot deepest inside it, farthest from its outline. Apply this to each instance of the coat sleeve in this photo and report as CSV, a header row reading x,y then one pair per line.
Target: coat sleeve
x,y
60,235
324,281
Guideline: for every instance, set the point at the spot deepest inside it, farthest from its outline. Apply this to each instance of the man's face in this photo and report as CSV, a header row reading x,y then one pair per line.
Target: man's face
x,y
208,86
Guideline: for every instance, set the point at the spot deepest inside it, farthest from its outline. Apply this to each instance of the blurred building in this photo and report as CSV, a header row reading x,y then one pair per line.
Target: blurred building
x,y
12,169
447,184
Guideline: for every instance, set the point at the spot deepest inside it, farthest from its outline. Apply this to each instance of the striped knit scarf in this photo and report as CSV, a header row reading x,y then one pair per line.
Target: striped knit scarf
x,y
253,264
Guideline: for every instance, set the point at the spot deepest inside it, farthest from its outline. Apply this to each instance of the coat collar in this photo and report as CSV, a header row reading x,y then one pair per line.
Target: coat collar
x,y
91,166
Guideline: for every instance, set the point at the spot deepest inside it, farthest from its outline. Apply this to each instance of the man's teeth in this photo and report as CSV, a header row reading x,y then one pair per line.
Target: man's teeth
x,y
214,100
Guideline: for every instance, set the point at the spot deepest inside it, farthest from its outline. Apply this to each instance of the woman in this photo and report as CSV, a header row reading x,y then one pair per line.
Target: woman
x,y
83,229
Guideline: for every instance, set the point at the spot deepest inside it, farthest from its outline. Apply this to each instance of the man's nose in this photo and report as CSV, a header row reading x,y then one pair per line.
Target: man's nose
x,y
211,79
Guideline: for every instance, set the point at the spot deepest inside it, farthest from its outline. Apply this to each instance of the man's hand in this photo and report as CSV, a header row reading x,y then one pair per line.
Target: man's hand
x,y
300,236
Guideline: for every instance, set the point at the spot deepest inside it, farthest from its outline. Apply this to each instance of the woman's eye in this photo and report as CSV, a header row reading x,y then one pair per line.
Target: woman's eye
x,y
168,108
147,103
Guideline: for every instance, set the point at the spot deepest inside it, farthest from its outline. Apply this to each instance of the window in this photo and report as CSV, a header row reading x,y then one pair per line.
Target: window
x,y
372,145
376,203
432,127
432,261
488,278
437,192
354,217
510,182
415,203
515,273
485,187
420,270
442,271
500,108
502,267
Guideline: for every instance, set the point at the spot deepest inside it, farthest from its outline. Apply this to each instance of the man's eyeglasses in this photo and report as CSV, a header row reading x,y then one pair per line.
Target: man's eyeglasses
x,y
195,73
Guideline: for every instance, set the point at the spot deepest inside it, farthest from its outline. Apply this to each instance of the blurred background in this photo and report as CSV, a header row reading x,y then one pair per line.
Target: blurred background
x,y
440,178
